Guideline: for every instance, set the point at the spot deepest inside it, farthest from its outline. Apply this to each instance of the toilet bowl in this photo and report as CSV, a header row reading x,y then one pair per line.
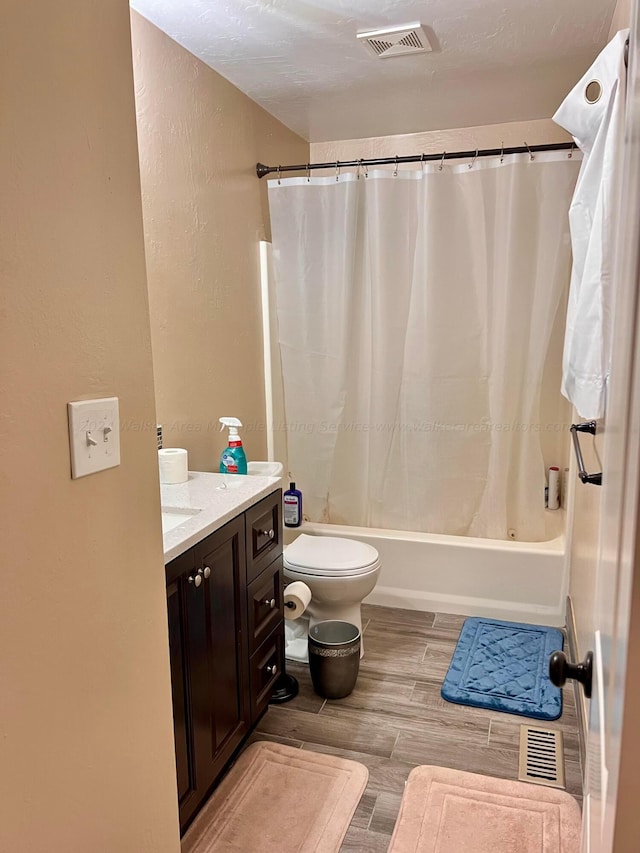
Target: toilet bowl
x,y
339,572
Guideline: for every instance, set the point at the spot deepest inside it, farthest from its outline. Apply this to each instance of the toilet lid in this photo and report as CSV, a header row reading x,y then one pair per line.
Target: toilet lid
x,y
324,555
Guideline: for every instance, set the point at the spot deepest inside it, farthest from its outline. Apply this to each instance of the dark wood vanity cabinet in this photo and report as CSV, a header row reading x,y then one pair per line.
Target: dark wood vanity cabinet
x,y
226,641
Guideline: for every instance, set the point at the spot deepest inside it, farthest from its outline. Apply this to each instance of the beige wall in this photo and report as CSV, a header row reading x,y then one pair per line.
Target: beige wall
x,y
86,742
536,132
621,17
204,213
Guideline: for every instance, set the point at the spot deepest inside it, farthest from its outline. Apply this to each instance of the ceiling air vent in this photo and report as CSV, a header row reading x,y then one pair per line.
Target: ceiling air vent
x,y
396,41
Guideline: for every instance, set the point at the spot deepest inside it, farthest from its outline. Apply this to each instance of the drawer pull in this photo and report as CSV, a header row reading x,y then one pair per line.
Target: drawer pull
x,y
272,669
270,602
195,581
206,572
270,533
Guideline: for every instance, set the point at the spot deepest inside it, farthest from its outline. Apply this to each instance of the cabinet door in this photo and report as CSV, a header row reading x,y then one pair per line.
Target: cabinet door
x,y
220,697
185,611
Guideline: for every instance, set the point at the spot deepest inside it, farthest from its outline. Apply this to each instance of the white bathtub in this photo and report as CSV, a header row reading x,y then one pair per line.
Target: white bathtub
x,y
519,581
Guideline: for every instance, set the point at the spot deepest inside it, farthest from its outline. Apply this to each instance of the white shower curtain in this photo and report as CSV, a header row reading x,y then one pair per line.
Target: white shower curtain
x,y
414,315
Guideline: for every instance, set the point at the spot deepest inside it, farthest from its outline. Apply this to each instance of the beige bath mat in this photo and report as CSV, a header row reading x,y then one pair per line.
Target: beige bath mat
x,y
448,811
277,798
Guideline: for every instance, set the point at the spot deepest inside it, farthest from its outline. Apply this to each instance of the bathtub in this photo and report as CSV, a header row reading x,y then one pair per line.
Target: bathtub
x,y
518,581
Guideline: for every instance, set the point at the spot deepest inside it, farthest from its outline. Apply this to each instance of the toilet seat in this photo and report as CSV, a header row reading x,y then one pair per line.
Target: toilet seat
x,y
330,556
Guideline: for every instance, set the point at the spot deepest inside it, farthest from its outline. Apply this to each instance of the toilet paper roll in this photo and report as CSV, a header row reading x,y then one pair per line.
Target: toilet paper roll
x,y
297,594
174,466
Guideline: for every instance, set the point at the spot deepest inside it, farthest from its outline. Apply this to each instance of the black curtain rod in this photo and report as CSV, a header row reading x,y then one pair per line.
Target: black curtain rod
x,y
262,170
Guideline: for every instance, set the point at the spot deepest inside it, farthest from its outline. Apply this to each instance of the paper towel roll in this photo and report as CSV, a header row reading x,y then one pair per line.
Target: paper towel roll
x,y
174,466
297,594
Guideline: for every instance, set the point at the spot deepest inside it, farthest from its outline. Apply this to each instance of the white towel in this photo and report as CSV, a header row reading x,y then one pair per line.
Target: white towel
x,y
598,129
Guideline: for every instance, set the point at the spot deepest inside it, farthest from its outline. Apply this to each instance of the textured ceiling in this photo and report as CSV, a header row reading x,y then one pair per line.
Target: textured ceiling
x,y
492,60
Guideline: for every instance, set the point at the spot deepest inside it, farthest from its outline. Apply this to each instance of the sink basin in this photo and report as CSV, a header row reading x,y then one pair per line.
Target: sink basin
x,y
174,516
265,469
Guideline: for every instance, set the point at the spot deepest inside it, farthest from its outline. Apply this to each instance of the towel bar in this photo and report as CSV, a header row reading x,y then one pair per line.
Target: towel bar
x,y
588,427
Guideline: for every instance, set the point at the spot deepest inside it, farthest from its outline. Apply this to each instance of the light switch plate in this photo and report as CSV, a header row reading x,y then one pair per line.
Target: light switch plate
x,y
94,435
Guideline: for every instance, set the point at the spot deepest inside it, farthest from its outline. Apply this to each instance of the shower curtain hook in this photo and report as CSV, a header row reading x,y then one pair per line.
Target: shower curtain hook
x,y
442,161
358,169
502,151
366,168
531,157
570,154
278,174
473,162
308,172
395,171
422,162
337,170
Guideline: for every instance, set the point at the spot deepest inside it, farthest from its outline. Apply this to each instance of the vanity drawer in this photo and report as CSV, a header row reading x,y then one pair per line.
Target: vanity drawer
x,y
265,667
263,534
265,601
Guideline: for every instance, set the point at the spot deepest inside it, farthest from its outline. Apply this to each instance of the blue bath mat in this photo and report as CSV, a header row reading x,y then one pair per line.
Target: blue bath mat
x,y
504,666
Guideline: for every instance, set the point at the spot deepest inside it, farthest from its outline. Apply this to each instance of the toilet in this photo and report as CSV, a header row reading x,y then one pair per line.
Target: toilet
x,y
339,572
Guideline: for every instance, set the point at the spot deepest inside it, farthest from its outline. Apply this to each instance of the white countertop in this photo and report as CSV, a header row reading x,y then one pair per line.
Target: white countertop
x,y
208,501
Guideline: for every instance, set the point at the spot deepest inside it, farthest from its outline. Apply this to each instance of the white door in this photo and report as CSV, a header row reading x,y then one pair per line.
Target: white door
x,y
618,551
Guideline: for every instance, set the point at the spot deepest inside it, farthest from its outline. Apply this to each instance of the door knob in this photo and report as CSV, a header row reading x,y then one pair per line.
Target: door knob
x,y
272,669
205,573
560,670
270,602
196,581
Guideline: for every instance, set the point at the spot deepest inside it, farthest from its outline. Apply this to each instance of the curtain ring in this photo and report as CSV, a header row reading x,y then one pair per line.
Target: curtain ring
x,y
442,161
278,174
395,171
473,162
308,172
531,157
502,152
337,170
570,154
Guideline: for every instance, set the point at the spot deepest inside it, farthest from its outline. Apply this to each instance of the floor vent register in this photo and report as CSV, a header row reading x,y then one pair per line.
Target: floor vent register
x,y
541,757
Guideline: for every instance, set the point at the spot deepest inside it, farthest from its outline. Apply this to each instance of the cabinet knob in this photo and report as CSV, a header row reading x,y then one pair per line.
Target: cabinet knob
x,y
270,533
272,669
196,581
270,602
206,572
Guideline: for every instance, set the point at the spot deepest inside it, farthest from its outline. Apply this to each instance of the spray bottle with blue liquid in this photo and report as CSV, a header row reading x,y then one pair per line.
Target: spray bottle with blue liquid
x,y
233,460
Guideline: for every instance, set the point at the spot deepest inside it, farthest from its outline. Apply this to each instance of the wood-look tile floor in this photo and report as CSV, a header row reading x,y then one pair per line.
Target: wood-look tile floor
x,y
396,719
